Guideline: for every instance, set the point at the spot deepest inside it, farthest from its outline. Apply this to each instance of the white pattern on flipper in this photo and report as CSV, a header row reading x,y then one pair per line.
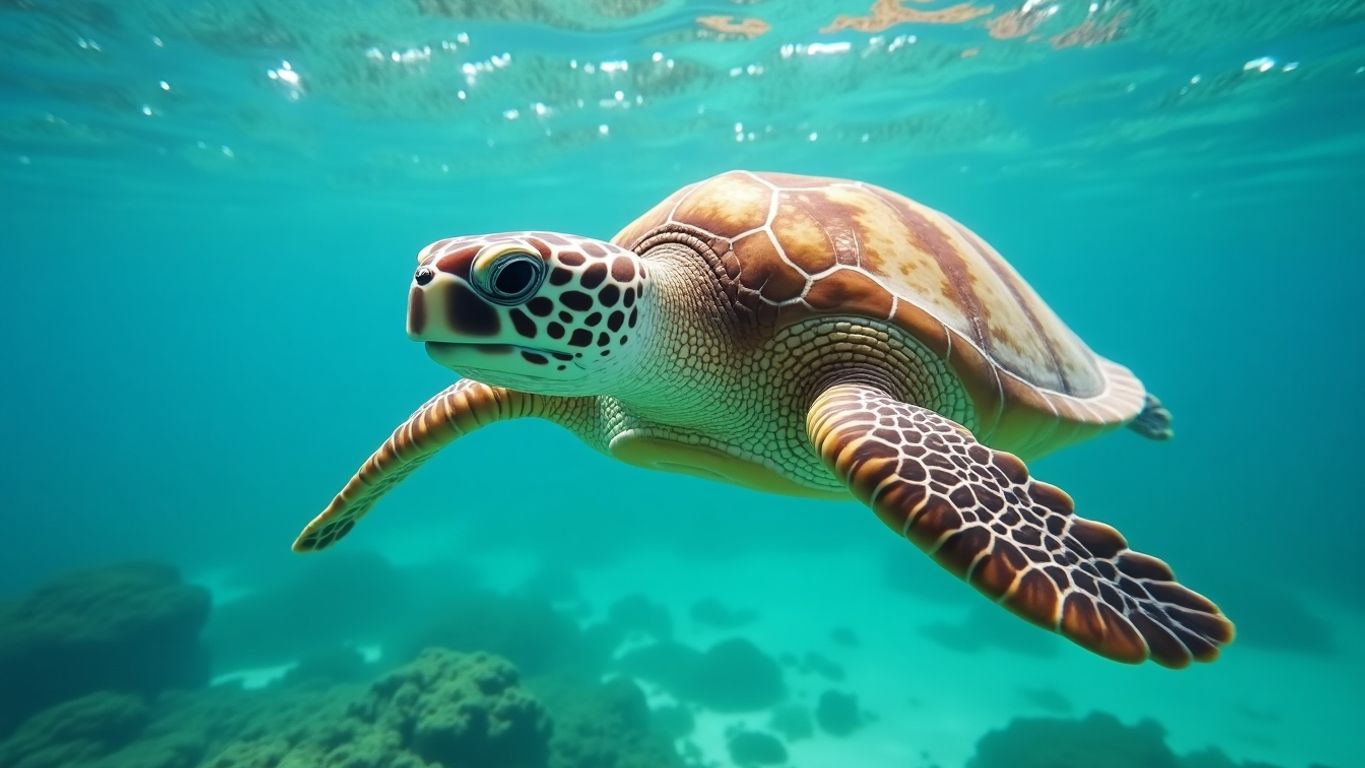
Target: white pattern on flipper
x,y
1172,623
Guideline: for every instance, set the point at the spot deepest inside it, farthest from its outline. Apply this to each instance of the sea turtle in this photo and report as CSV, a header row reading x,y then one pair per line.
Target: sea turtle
x,y
816,337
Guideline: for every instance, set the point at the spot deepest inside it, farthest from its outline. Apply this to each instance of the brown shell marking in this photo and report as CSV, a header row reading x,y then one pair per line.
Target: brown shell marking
x,y
806,245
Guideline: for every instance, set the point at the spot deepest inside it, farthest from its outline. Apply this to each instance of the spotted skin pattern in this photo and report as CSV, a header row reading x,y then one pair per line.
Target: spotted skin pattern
x,y
811,337
978,513
587,306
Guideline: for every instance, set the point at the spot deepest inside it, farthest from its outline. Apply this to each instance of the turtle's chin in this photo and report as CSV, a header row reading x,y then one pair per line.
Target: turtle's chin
x,y
528,369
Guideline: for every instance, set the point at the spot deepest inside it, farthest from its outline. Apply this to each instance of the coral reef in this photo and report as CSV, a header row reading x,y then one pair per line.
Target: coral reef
x,y
442,710
838,713
754,748
445,709
1096,741
731,676
603,726
76,732
178,729
734,675
132,628
459,710
451,709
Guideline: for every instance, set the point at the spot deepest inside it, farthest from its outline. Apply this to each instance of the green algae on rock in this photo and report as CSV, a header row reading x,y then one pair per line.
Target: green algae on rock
x,y
1096,741
456,709
606,725
755,748
76,732
132,627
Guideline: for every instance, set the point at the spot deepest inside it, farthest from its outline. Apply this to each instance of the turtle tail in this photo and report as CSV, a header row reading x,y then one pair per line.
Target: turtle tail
x,y
1154,422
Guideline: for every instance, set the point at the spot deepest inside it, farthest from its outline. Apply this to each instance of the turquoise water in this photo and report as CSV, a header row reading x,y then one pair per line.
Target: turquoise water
x,y
210,216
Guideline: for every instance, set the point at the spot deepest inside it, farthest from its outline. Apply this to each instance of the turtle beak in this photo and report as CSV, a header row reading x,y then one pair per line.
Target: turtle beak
x,y
445,308
417,312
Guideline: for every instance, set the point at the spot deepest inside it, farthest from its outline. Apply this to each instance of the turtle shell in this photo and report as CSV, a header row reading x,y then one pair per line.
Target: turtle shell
x,y
797,246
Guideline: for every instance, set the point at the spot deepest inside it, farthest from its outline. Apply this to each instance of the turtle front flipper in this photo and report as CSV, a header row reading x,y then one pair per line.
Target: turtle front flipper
x,y
456,411
978,513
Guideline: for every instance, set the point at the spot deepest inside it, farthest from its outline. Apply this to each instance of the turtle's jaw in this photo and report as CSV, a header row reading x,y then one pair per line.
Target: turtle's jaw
x,y
453,353
505,364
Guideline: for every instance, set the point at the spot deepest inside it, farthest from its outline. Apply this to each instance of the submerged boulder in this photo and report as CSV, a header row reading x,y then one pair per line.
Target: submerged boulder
x,y
730,676
603,725
76,732
464,710
1097,741
131,628
749,749
838,713
734,676
443,710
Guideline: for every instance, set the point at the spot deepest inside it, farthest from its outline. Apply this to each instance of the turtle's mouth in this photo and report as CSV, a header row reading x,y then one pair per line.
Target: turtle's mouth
x,y
452,354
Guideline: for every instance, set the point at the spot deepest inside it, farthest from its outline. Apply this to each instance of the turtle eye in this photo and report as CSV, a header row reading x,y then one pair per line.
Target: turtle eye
x,y
511,279
424,275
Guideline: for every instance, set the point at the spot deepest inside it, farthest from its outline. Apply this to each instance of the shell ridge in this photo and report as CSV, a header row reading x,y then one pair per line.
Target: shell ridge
x,y
831,246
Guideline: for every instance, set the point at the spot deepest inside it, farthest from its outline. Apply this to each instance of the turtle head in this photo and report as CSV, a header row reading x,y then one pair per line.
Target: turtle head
x,y
535,311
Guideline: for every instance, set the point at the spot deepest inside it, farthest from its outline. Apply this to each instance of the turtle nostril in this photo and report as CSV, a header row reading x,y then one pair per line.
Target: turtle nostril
x,y
424,275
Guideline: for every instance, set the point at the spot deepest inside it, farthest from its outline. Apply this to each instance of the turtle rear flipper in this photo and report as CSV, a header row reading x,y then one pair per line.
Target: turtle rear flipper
x,y
1154,422
978,513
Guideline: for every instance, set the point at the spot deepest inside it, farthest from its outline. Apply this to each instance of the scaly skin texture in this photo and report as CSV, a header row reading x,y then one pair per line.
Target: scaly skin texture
x,y
792,247
715,382
811,337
